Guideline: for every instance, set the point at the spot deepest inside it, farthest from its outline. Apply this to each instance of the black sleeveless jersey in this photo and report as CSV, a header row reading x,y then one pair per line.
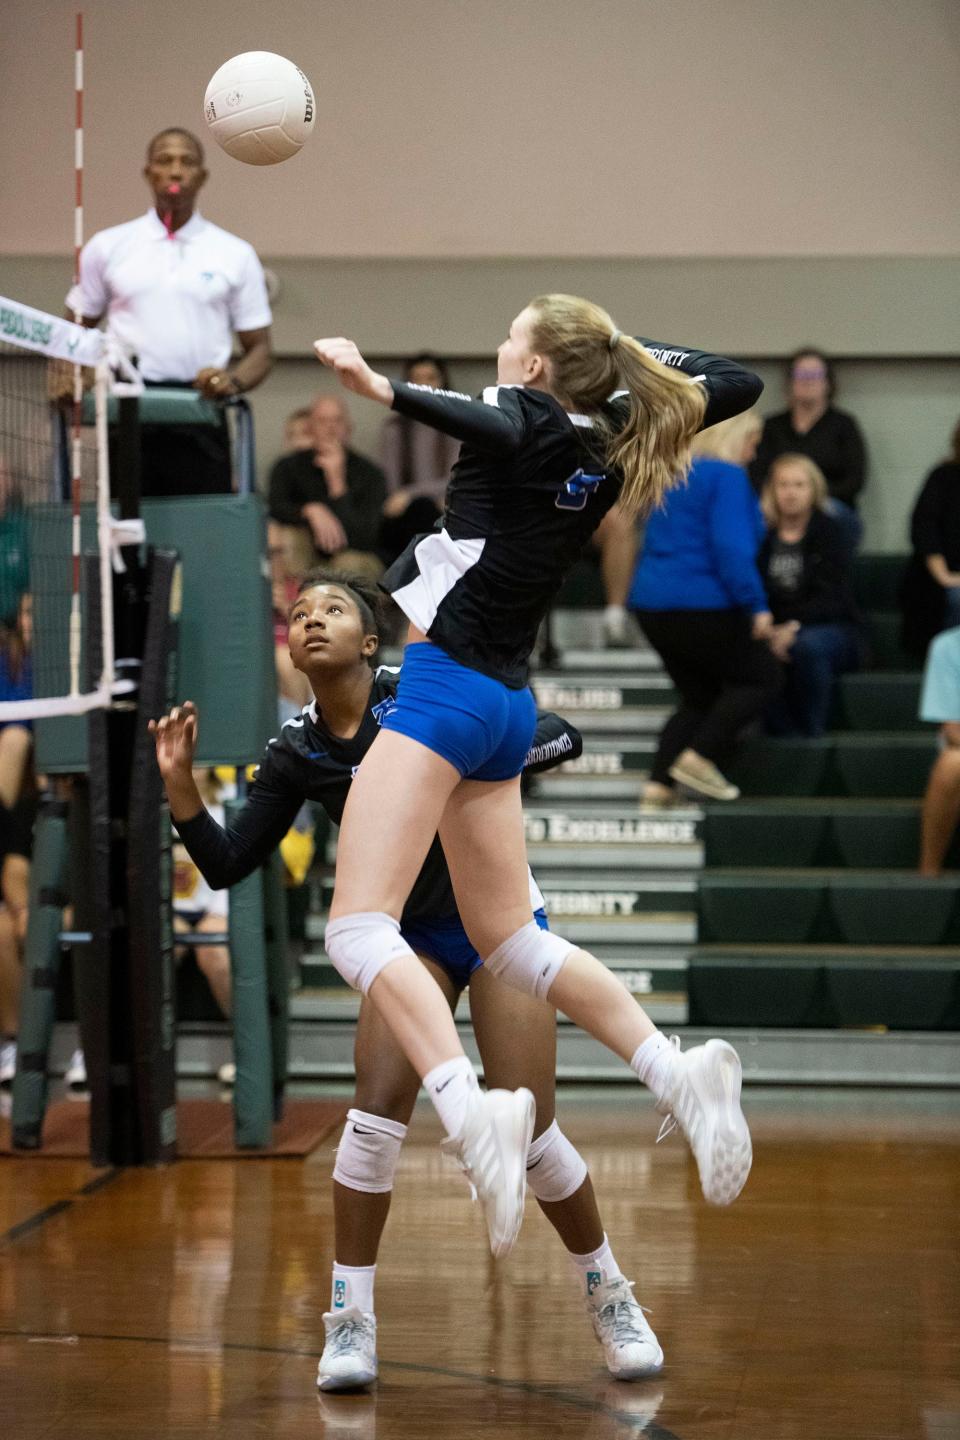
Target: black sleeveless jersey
x,y
526,494
307,762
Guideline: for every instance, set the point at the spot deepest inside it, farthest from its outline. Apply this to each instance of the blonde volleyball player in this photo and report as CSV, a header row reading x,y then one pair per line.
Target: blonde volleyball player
x,y
582,416
333,637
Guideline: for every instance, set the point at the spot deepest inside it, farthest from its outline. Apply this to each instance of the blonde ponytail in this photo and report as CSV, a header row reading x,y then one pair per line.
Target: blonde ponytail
x,y
587,360
652,451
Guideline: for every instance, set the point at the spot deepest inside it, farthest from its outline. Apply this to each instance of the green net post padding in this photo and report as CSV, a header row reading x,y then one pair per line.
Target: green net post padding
x,y
41,971
252,1048
276,930
164,405
226,663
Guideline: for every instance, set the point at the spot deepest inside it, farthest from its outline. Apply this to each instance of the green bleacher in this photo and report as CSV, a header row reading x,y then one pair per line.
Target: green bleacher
x,y
810,910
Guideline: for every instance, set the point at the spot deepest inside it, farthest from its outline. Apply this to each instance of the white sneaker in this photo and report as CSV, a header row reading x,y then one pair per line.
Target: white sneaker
x,y
349,1359
616,632
705,1103
631,1349
8,1061
76,1074
492,1151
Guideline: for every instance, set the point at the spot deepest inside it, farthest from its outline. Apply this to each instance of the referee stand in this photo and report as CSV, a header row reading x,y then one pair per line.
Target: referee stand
x,y
193,617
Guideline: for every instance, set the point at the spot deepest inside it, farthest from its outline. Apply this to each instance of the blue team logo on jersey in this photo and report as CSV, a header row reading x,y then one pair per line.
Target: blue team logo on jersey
x,y
575,492
339,1294
383,708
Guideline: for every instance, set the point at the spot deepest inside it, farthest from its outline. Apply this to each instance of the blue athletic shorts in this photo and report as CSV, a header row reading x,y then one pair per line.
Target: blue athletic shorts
x,y
481,726
446,942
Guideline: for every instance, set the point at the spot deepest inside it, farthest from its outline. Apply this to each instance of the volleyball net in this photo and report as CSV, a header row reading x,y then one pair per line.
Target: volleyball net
x,y
54,505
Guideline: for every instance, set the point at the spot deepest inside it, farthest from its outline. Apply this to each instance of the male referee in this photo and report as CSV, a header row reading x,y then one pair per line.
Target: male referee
x,y
175,289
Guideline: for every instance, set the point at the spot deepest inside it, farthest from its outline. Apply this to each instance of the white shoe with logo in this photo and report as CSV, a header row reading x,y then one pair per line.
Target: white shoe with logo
x,y
349,1359
492,1152
631,1349
705,1104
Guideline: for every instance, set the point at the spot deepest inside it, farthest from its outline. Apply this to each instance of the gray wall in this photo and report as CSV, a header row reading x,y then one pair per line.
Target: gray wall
x,y
514,127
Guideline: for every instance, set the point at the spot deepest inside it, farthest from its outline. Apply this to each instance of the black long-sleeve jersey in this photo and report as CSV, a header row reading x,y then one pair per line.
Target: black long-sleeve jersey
x,y
527,492
307,762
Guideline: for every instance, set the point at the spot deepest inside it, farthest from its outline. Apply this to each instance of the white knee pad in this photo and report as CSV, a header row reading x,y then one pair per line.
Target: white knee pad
x,y
362,945
530,960
555,1169
368,1152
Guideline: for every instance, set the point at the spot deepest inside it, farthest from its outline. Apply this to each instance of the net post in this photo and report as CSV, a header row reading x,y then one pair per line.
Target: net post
x,y
149,877
41,969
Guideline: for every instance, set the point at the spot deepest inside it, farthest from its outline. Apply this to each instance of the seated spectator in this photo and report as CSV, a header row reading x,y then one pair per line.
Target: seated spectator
x,y
298,430
940,702
16,683
699,598
329,497
805,565
18,808
14,552
930,595
812,426
417,462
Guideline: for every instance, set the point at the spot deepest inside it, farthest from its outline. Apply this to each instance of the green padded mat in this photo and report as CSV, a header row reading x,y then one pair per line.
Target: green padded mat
x,y
226,659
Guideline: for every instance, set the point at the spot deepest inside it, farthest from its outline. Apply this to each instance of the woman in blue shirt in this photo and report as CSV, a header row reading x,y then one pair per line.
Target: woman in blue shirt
x,y
699,597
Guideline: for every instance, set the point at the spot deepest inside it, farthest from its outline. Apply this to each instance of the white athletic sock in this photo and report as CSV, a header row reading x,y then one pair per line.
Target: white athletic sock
x,y
653,1062
596,1268
449,1086
352,1285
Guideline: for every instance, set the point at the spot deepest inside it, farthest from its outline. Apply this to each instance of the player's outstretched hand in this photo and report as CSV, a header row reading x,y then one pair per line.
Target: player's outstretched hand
x,y
353,372
176,738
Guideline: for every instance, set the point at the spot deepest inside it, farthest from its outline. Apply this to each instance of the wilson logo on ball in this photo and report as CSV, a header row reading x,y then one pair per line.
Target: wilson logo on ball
x,y
260,108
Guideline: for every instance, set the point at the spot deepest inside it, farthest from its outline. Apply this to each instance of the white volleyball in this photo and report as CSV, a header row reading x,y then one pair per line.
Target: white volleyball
x,y
259,107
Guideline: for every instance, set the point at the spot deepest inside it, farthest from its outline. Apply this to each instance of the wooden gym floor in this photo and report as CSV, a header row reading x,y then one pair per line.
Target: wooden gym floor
x,y
186,1302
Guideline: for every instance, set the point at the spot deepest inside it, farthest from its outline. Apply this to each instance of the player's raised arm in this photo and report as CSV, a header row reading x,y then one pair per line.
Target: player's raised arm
x,y
494,424
731,388
223,855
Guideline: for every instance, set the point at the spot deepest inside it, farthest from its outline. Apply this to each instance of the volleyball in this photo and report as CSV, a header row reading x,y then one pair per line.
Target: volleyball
x,y
259,108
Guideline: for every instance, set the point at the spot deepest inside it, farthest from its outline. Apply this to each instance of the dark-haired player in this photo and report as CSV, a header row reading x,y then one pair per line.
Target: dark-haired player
x,y
333,638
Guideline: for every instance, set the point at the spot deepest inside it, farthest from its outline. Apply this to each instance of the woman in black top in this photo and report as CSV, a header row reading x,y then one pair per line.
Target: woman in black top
x,y
805,566
931,590
334,635
545,454
814,427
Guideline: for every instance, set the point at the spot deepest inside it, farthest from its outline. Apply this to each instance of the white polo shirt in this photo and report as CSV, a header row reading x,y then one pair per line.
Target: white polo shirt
x,y
174,301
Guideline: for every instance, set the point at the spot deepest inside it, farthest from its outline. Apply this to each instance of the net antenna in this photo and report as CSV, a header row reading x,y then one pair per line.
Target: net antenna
x,y
41,469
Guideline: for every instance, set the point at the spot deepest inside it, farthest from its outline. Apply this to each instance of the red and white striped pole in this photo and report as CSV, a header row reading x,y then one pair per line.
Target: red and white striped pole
x,y
76,455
